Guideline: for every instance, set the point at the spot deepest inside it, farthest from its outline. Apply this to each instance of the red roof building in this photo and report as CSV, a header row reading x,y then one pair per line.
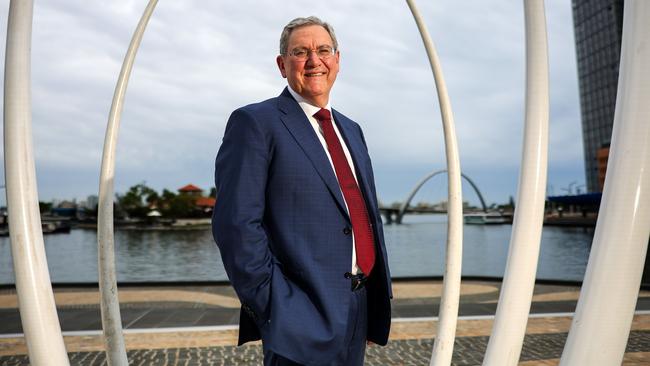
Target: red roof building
x,y
190,188
205,202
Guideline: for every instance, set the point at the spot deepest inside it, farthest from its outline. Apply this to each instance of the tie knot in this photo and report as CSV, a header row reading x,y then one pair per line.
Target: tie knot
x,y
323,115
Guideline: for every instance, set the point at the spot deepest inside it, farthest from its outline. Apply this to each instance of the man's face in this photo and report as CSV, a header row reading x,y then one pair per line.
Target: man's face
x,y
312,78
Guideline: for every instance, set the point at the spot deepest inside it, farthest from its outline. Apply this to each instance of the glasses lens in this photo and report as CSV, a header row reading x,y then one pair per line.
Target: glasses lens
x,y
302,53
324,51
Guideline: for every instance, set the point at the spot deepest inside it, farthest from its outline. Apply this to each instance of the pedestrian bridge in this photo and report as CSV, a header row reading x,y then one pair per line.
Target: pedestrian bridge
x,y
395,215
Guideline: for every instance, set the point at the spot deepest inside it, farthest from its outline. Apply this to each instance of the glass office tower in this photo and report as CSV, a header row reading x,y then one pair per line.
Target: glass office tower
x,y
598,28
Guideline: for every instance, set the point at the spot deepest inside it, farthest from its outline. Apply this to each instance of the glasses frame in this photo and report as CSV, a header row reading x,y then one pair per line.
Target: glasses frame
x,y
332,52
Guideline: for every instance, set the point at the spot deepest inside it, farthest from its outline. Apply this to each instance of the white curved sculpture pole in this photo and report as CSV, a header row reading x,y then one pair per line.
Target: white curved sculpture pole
x,y
601,325
36,300
511,318
110,305
444,344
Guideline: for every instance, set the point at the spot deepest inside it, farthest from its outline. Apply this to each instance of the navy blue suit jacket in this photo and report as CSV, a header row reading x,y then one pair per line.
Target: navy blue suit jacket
x,y
282,228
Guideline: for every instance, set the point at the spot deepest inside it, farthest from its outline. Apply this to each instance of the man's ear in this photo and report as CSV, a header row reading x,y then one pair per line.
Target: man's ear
x,y
280,61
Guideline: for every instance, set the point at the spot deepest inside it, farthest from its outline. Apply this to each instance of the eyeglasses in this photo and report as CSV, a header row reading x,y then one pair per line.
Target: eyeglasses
x,y
302,53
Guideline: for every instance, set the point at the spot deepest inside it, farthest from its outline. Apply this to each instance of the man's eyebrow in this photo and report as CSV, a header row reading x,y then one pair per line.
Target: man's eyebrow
x,y
319,46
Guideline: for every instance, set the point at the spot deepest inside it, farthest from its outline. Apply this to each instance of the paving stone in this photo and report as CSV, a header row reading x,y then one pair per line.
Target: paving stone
x,y
469,348
218,317
468,351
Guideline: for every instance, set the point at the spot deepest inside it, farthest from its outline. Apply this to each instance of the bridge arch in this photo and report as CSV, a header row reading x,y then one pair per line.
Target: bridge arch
x,y
419,185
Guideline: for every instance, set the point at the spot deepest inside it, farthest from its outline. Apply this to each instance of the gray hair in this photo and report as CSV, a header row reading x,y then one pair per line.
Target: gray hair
x,y
303,22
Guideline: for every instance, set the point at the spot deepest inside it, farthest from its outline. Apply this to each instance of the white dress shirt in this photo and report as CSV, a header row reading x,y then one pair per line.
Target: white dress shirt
x,y
310,110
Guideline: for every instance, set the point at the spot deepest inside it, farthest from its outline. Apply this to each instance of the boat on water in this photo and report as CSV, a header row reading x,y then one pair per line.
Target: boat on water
x,y
49,226
487,218
55,227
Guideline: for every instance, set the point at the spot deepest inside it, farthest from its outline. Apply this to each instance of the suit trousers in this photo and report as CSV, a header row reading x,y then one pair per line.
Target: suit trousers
x,y
353,352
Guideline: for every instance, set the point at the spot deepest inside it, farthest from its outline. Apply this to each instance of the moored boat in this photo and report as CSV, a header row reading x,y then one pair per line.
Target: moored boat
x,y
486,218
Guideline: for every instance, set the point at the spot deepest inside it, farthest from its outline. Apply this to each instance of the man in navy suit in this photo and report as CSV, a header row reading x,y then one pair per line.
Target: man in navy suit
x,y
296,218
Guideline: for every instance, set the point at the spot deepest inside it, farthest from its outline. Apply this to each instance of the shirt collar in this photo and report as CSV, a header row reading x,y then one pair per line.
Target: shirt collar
x,y
307,107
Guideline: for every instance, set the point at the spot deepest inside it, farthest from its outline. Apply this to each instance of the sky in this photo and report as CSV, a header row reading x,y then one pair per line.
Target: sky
x,y
200,60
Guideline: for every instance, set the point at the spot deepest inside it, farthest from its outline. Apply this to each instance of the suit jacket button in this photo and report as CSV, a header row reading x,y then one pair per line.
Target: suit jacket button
x,y
347,231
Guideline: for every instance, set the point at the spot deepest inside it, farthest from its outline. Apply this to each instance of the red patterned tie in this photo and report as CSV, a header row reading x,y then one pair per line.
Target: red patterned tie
x,y
363,238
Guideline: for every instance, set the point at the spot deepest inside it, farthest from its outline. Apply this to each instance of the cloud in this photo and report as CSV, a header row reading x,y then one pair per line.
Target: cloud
x,y
200,60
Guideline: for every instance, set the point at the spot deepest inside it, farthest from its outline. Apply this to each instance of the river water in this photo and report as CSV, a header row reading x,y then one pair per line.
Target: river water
x,y
415,248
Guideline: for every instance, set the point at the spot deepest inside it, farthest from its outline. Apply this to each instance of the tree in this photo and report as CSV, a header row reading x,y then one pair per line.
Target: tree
x,y
135,202
152,198
181,205
44,207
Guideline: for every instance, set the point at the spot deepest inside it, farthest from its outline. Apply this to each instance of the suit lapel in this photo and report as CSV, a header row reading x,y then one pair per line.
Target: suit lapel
x,y
296,122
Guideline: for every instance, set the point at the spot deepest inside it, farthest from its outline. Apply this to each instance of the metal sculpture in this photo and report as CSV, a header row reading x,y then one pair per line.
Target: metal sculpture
x,y
601,324
615,265
110,305
36,300
443,346
507,338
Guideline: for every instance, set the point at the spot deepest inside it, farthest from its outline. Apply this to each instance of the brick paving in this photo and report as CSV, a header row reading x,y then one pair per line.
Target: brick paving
x,y
164,307
468,351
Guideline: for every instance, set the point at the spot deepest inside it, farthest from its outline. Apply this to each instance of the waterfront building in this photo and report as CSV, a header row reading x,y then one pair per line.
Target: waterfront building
x,y
206,204
602,155
598,26
201,203
92,201
190,189
65,209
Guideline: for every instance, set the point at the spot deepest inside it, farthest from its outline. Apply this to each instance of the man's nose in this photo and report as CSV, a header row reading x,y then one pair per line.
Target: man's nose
x,y
313,59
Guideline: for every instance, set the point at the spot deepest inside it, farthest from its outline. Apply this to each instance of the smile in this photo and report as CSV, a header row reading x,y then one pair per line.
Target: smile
x,y
313,74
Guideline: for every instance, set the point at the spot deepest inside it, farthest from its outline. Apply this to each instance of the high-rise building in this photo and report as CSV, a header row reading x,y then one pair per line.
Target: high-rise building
x,y
92,201
598,29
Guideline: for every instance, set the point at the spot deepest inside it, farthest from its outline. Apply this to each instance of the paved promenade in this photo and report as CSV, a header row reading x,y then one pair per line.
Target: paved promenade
x,y
195,325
